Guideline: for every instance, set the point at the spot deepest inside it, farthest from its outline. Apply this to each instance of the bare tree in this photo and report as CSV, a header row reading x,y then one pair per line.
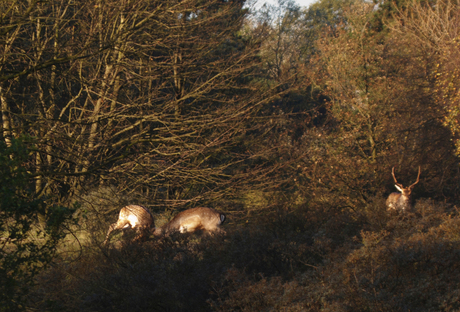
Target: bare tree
x,y
157,92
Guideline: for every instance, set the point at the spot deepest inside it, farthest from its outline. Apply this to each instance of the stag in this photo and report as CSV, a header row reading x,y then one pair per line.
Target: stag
x,y
133,216
190,220
401,201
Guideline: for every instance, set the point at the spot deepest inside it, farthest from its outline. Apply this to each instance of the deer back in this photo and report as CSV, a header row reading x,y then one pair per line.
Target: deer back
x,y
134,216
190,220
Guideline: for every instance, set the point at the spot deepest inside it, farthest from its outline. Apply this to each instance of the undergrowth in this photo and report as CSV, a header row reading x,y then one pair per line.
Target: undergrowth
x,y
293,261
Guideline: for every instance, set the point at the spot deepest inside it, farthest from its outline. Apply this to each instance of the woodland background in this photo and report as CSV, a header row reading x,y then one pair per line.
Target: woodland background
x,y
286,119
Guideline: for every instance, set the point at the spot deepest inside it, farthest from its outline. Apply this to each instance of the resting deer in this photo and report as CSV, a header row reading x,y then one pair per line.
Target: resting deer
x,y
401,201
134,216
193,219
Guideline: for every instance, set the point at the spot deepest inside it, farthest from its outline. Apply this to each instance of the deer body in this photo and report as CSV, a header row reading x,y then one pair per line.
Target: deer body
x,y
401,201
190,220
398,201
134,216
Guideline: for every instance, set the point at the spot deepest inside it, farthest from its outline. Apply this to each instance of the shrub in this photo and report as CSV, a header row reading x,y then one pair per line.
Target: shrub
x,y
26,246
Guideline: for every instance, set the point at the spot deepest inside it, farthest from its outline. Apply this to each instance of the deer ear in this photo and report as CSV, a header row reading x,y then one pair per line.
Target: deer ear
x,y
398,188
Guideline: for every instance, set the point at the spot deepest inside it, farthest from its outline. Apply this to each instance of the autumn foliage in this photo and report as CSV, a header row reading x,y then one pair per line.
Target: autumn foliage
x,y
289,120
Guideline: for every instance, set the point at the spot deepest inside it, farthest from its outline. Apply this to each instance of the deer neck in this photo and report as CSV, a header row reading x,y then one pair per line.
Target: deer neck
x,y
404,201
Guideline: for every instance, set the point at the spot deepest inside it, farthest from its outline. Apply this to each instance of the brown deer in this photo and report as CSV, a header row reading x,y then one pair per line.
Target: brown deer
x,y
190,220
135,217
401,201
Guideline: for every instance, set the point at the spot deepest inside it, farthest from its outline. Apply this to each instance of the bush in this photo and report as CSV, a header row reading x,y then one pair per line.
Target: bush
x,y
411,265
301,260
26,246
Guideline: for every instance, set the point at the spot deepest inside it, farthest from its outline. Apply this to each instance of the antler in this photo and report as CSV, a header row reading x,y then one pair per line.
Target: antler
x,y
400,185
396,182
418,178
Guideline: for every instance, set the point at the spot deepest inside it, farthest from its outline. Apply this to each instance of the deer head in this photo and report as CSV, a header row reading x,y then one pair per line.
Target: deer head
x,y
401,201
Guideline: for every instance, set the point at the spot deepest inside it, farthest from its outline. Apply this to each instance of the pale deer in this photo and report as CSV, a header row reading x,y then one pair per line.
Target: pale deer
x,y
135,216
401,201
190,220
